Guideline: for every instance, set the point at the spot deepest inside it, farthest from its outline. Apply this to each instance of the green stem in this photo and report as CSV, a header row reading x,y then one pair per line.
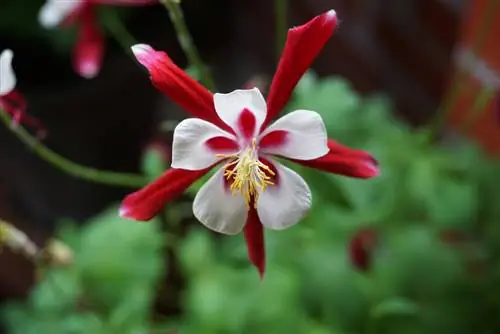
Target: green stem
x,y
70,167
118,30
479,104
445,109
280,8
186,41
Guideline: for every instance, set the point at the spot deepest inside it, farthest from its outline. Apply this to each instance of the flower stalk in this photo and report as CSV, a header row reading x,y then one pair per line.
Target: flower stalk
x,y
70,167
186,41
118,30
281,25
484,96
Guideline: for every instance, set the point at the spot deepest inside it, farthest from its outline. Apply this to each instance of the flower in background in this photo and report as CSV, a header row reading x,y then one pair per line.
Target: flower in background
x,y
11,100
260,81
361,248
234,130
89,49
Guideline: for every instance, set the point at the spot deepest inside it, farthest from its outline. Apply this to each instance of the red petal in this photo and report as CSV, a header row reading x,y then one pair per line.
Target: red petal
x,y
75,15
89,50
147,202
177,85
246,123
302,46
254,236
15,105
344,161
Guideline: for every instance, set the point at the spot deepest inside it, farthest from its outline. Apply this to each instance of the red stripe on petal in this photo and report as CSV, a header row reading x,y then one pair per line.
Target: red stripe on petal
x,y
147,202
177,85
246,123
89,49
221,144
273,139
302,46
344,161
254,237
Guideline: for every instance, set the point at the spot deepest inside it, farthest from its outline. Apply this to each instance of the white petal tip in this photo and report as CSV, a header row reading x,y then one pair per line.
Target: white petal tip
x,y
8,53
53,12
331,14
141,49
374,169
89,70
123,212
48,17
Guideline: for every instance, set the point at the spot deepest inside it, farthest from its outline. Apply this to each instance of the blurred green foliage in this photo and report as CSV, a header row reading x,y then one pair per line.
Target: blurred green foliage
x,y
109,289
434,268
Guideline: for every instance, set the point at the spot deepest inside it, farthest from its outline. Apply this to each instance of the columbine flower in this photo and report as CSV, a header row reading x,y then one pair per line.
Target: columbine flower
x,y
11,100
234,131
89,49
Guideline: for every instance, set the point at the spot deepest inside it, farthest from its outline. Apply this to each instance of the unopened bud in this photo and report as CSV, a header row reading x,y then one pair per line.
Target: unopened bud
x,y
361,247
58,253
16,240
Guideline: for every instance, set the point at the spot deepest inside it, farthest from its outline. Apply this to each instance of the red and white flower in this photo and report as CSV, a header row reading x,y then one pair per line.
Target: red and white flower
x,y
11,100
89,49
234,131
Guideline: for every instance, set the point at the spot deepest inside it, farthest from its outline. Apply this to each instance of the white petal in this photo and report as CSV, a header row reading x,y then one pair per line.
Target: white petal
x,y
282,206
188,148
54,12
7,75
229,106
306,138
216,208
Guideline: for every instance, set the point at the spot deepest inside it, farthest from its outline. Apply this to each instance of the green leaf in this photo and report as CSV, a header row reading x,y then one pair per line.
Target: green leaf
x,y
82,323
132,314
118,256
59,290
196,252
394,307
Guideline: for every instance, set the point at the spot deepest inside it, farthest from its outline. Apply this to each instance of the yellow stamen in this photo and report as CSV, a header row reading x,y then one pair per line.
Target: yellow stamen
x,y
248,174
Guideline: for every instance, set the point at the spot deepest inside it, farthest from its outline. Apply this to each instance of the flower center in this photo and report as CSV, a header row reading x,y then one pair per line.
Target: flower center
x,y
248,176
